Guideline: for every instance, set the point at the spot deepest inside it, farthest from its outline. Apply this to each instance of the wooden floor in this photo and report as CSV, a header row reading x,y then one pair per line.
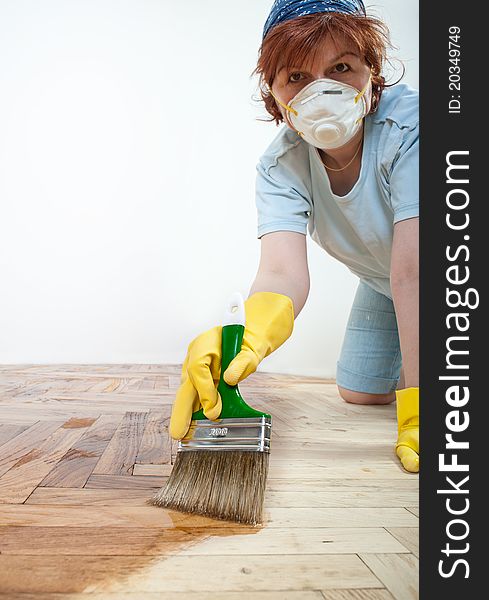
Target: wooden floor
x,y
82,447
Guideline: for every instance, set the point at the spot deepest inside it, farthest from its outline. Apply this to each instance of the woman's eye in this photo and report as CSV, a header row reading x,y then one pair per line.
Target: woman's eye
x,y
341,68
294,77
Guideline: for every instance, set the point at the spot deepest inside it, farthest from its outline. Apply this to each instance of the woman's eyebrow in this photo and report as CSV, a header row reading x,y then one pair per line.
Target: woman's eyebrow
x,y
333,60
344,54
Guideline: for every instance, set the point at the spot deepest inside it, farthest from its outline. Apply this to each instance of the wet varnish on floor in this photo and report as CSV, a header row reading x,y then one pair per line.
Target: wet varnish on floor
x,y
82,447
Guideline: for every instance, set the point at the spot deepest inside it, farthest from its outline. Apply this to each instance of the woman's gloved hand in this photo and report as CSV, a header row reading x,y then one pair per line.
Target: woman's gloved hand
x,y
407,447
269,323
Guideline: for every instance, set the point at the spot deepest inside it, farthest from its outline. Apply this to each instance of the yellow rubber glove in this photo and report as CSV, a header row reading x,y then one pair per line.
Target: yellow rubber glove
x,y
407,447
269,323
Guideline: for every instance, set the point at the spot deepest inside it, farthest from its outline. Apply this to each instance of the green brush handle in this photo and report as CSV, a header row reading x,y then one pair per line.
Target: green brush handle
x,y
233,404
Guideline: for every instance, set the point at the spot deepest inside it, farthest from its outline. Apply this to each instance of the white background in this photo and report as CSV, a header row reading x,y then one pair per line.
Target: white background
x,y
128,146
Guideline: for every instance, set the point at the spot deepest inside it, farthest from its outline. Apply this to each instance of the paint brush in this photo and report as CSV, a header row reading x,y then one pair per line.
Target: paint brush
x,y
221,466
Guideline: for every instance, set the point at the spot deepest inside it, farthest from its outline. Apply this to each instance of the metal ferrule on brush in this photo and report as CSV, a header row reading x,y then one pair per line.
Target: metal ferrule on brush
x,y
251,434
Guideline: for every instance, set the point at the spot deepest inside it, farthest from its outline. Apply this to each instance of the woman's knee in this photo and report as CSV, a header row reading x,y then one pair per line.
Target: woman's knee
x,y
364,398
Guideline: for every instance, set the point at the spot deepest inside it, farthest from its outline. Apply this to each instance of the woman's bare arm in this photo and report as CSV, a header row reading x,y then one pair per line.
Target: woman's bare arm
x,y
283,267
405,294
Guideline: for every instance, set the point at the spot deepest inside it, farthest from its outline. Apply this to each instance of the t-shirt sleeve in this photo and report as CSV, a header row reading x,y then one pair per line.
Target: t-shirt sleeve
x,y
404,178
280,205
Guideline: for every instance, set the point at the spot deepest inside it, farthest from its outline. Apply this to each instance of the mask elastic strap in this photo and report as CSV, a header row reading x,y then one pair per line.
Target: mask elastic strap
x,y
286,106
361,93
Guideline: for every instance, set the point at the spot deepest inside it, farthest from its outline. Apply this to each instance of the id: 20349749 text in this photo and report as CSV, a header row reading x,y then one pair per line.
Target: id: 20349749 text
x,y
454,71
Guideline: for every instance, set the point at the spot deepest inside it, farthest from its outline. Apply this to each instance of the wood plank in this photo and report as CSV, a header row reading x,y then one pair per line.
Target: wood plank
x,y
398,572
414,510
343,498
23,477
215,595
144,400
280,485
60,370
155,445
245,574
120,455
76,466
89,497
163,470
16,448
305,541
327,453
18,414
408,536
339,429
339,517
384,469
122,482
121,540
9,430
85,404
380,594
151,516
346,484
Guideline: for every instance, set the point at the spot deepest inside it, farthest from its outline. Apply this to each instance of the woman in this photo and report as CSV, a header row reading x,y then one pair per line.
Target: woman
x,y
344,167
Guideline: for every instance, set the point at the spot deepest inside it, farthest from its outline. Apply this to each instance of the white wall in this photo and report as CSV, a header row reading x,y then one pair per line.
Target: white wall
x,y
128,145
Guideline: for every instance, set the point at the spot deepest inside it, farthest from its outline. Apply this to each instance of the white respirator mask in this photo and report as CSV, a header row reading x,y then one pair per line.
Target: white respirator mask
x,y
327,113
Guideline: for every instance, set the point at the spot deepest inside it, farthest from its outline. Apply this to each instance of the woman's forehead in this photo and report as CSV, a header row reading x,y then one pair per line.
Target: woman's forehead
x,y
329,51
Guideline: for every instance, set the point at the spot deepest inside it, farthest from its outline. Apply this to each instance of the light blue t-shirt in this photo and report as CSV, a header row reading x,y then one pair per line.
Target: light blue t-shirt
x,y
293,191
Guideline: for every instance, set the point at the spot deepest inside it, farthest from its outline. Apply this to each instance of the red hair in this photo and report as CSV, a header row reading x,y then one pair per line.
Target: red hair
x,y
295,41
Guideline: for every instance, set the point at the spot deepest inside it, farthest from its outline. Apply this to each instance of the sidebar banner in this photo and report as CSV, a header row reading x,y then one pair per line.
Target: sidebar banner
x,y
454,475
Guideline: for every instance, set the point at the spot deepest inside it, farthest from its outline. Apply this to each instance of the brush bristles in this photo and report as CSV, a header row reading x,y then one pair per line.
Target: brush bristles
x,y
226,485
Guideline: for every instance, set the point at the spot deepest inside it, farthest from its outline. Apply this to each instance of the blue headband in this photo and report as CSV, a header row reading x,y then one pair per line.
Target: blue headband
x,y
284,10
